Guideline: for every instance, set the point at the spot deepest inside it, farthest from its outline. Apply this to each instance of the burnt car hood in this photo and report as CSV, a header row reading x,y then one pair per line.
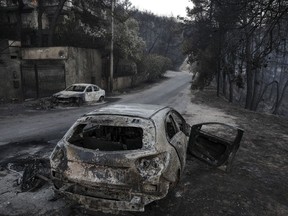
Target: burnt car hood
x,y
68,94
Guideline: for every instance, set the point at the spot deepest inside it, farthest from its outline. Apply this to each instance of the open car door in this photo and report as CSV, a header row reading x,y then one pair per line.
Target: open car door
x,y
215,143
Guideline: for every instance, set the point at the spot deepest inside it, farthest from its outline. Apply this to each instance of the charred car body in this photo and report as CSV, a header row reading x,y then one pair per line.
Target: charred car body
x,y
122,157
79,93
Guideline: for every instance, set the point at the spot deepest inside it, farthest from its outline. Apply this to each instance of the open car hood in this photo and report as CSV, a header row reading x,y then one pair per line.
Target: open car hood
x,y
67,94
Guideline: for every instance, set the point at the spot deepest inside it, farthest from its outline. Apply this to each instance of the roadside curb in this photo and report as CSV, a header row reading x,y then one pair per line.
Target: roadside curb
x,y
3,143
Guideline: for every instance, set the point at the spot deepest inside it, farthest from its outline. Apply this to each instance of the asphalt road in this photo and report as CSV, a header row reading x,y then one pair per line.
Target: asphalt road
x,y
52,124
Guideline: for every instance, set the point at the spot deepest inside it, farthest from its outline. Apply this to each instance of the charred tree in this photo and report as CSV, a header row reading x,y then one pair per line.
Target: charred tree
x,y
54,21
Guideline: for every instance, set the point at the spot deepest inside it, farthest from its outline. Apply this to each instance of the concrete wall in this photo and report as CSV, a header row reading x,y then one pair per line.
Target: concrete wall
x,y
120,83
10,75
83,66
139,78
29,20
47,53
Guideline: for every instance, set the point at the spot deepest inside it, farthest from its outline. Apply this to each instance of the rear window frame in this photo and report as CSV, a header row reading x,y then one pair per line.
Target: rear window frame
x,y
147,125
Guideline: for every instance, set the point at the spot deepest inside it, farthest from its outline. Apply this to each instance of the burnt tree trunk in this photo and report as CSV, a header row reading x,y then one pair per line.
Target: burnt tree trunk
x,y
249,74
280,100
54,21
255,90
218,81
224,85
231,95
264,91
19,20
39,20
154,43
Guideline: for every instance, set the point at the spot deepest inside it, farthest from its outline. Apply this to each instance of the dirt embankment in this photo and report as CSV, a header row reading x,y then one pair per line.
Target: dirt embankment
x,y
257,184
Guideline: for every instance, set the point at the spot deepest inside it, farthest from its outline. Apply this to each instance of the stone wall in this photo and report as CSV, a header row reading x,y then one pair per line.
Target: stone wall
x,y
83,66
120,83
45,53
10,75
75,65
79,66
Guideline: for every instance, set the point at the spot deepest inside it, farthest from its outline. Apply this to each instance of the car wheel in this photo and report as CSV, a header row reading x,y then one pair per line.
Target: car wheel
x,y
175,183
54,100
79,101
101,99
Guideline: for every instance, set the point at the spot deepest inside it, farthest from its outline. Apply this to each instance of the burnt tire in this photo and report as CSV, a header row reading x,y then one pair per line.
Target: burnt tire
x,y
176,182
30,180
101,99
79,101
54,100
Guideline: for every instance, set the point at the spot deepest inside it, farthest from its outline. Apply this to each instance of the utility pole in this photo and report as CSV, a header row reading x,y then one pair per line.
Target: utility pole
x,y
112,47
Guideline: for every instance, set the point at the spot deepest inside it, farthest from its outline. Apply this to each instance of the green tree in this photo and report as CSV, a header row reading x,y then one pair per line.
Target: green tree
x,y
128,43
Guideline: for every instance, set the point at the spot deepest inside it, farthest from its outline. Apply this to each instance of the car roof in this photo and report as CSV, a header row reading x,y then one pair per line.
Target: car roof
x,y
83,84
136,110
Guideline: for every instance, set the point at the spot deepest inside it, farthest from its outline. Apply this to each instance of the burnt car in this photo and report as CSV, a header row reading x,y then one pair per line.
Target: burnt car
x,y
122,157
79,93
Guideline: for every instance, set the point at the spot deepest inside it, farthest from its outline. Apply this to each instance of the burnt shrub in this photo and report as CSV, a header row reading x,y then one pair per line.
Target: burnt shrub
x,y
154,66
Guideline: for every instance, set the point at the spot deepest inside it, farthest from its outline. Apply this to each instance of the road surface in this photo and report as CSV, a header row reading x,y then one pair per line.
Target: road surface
x,y
52,125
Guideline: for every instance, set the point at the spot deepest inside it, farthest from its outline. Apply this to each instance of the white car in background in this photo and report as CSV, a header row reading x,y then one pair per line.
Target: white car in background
x,y
80,93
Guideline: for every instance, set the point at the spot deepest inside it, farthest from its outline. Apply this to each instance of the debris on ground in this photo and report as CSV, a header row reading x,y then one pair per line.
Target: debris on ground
x,y
35,175
43,104
32,173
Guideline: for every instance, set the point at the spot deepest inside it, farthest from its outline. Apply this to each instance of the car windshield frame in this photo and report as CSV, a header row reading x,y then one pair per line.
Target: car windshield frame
x,y
76,88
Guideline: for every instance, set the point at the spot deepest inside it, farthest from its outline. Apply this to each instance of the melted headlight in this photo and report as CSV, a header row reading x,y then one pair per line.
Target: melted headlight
x,y
56,157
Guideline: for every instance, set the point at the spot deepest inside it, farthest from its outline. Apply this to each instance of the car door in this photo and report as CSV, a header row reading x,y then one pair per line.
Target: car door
x,y
97,93
176,136
89,94
213,146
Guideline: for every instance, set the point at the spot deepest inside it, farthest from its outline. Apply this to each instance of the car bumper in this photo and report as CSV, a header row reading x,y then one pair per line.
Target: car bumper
x,y
106,205
66,100
110,199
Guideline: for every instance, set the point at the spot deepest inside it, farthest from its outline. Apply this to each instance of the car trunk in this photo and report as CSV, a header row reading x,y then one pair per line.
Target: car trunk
x,y
106,153
95,169
107,137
